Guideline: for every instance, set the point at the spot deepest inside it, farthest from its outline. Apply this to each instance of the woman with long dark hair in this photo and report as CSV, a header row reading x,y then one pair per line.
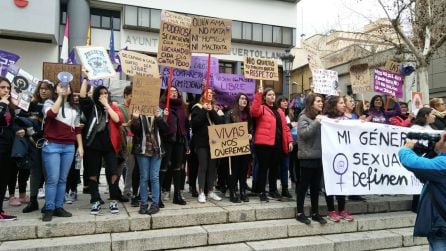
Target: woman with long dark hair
x,y
272,139
377,113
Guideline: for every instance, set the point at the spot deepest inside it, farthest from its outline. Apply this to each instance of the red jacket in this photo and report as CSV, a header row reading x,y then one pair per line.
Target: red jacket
x,y
266,125
398,121
115,135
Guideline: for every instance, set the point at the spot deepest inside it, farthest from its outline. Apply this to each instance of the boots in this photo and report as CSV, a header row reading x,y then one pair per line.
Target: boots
x,y
32,206
243,196
177,199
233,197
115,192
286,193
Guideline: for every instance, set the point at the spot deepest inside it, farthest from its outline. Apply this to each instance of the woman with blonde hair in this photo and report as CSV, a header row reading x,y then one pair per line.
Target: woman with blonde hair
x,y
439,111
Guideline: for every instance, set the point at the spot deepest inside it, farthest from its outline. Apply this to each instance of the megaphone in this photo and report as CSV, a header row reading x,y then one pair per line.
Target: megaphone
x,y
65,78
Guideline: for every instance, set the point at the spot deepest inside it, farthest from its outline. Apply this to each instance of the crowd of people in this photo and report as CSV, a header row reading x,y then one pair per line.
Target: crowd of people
x,y
63,131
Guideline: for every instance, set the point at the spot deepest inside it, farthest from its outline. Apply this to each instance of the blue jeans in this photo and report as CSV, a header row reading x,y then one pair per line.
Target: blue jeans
x,y
57,159
436,244
284,167
149,166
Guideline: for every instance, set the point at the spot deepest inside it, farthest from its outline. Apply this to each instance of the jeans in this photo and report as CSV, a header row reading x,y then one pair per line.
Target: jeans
x,y
57,159
436,244
284,167
149,166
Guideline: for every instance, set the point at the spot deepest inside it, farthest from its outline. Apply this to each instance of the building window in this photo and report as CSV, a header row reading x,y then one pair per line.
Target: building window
x,y
277,35
267,33
226,67
105,22
95,21
130,13
257,32
142,18
99,18
287,35
155,18
236,30
247,31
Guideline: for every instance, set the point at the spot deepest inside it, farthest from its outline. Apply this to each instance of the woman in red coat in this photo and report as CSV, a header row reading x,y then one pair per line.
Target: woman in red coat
x,y
272,139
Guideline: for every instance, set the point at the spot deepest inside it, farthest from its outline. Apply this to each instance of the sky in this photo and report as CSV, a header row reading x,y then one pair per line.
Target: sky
x,y
321,16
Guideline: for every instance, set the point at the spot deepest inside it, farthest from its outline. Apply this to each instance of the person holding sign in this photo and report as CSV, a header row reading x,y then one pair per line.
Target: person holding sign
x,y
148,150
102,140
377,113
61,130
310,158
431,217
203,115
272,139
239,164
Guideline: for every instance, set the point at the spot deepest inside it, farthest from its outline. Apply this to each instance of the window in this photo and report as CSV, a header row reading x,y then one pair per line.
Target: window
x,y
277,35
267,33
105,22
257,32
155,18
95,21
130,14
226,67
247,31
236,30
116,23
144,17
287,35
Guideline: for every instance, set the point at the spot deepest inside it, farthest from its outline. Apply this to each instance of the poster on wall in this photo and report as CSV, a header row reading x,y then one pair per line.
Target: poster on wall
x,y
96,61
260,68
211,35
325,82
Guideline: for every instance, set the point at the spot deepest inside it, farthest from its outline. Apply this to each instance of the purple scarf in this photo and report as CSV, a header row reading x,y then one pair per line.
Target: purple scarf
x,y
176,107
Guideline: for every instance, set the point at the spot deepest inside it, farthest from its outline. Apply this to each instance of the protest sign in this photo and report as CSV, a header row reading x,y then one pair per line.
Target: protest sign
x,y
191,80
261,68
136,63
24,85
388,83
174,40
229,140
7,59
50,71
362,158
96,61
314,61
227,86
211,35
145,95
360,78
393,66
325,82
416,102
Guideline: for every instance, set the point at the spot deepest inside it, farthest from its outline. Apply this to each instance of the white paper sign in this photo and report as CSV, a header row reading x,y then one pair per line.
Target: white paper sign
x,y
325,82
96,61
24,85
362,158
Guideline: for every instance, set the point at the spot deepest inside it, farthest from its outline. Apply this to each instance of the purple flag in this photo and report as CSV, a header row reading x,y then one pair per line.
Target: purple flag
x,y
7,59
72,57
227,86
191,80
388,83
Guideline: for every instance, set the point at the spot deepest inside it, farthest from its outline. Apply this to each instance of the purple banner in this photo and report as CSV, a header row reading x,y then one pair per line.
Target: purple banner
x,y
388,83
7,59
191,80
227,86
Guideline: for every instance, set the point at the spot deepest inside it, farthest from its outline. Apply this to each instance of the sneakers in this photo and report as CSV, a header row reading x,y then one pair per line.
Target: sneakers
x,y
114,209
24,200
14,201
41,194
96,208
4,216
202,198
318,218
166,195
143,209
153,209
48,215
274,195
214,196
60,212
346,216
302,218
263,197
68,199
333,216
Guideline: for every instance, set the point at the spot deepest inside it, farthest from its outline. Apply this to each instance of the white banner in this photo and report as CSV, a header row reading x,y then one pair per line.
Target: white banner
x,y
362,158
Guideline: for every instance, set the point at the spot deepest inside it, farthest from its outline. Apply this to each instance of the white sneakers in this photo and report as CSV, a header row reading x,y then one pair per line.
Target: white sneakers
x,y
212,195
201,198
41,193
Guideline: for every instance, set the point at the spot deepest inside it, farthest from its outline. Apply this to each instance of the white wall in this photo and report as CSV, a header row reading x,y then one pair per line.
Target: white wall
x,y
32,54
256,11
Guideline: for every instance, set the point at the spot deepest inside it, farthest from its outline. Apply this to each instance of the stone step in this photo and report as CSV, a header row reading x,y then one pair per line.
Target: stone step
x,y
30,226
342,236
414,248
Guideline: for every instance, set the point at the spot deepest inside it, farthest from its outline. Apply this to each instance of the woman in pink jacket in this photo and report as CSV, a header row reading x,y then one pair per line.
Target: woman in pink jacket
x,y
272,139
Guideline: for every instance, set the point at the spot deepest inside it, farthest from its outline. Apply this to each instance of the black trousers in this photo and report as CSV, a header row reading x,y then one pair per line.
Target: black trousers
x,y
239,171
5,169
192,172
269,160
22,175
330,202
311,170
172,161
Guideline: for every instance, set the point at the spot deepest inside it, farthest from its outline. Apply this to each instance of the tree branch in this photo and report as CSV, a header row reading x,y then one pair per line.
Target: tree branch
x,y
435,47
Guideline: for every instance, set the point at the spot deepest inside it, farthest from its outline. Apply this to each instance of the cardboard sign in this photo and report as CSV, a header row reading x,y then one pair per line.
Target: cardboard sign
x,y
229,140
388,83
174,40
362,158
325,82
96,61
24,85
314,61
261,68
416,102
211,35
145,95
393,66
136,63
50,71
7,59
228,86
360,78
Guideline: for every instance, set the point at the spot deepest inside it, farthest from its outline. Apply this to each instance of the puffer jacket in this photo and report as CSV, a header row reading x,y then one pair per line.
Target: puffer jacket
x,y
200,120
266,125
429,222
309,140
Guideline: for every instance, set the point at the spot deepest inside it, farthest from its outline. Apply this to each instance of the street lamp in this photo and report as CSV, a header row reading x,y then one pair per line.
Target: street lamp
x,y
287,65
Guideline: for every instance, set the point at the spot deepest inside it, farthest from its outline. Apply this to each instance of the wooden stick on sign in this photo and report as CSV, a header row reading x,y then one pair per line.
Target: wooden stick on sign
x,y
169,85
208,75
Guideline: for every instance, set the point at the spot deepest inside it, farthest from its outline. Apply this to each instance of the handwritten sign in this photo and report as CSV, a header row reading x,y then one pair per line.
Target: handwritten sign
x,y
325,82
145,95
211,35
191,80
388,83
229,140
362,158
360,78
7,59
50,71
136,63
24,85
174,40
314,61
228,86
261,68
96,61
393,66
